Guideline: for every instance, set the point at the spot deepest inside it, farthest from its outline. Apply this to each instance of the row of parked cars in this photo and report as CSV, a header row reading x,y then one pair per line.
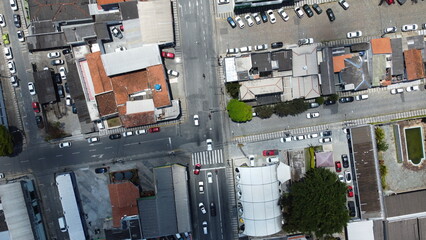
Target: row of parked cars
x,y
325,137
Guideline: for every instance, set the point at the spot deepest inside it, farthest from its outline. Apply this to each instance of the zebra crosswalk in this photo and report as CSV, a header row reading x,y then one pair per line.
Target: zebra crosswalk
x,y
207,157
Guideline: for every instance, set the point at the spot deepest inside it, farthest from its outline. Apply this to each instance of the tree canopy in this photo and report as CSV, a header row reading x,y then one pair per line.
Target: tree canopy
x,y
239,111
264,111
316,204
6,142
292,108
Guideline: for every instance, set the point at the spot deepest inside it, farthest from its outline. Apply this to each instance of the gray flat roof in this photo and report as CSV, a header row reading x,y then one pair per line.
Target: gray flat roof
x,y
327,73
305,61
397,56
405,203
159,31
45,88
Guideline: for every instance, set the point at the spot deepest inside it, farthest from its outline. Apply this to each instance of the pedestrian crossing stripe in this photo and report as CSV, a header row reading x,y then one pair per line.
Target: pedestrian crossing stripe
x,y
207,157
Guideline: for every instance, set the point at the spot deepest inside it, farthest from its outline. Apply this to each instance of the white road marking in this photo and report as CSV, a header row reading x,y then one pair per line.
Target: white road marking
x,y
60,155
75,153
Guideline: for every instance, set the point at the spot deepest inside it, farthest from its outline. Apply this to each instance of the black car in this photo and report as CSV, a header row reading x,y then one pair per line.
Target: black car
x,y
39,121
231,22
61,91
115,136
351,207
345,160
346,99
17,20
308,10
57,77
330,15
212,209
74,108
317,8
67,90
277,45
263,16
101,170
326,134
66,51
329,102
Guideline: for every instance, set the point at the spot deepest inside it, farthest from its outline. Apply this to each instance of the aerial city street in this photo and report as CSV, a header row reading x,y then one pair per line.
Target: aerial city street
x,y
213,119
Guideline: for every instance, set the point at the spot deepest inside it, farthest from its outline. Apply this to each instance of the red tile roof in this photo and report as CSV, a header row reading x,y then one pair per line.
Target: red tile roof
x,y
106,103
414,64
339,62
102,2
123,197
381,45
101,82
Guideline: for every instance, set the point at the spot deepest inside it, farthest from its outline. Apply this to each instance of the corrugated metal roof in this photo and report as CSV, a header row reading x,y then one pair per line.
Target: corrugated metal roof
x,y
405,203
397,56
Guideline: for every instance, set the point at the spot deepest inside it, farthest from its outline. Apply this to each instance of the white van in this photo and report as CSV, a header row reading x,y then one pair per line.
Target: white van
x,y
205,231
361,97
62,224
13,5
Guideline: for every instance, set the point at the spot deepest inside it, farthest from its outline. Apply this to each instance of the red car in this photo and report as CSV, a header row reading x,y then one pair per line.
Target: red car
x,y
197,169
154,129
270,152
167,55
338,166
350,191
36,107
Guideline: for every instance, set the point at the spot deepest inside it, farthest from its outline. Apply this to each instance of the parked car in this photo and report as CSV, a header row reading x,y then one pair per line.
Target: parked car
x,y
232,50
390,30
270,152
31,88
167,54
14,81
325,140
212,210
264,17
329,102
341,178
277,45
66,51
209,143
257,18
173,73
326,134
249,20
308,10
39,121
246,49
330,14
222,2
240,22
141,132
305,41
231,22
299,137
201,187
11,66
313,105
93,139
283,14
57,62
20,35
286,139
154,129
261,47
299,12
345,160
115,136
127,134
312,135
63,73
202,208
196,118
317,8
396,91
350,191
205,230
116,33
348,176
61,92
13,5
209,177
351,207
346,99
2,21
64,144
251,160
101,170
409,27
312,115
344,4
68,100
8,53
412,88
272,159
36,107
271,16
361,97
355,34
197,169
74,108
17,20
338,166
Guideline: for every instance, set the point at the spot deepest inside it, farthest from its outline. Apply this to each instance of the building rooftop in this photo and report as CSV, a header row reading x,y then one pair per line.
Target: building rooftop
x,y
356,73
405,203
46,41
305,87
282,60
45,87
262,62
58,10
339,62
123,197
305,61
327,83
381,45
101,82
250,89
106,103
414,64
159,31
397,57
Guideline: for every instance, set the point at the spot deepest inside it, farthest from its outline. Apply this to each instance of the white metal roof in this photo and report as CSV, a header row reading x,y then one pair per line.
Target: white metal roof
x,y
230,70
259,198
360,230
156,21
139,106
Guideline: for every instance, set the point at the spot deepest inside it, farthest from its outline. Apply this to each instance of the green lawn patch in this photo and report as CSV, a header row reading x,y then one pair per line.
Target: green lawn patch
x,y
414,144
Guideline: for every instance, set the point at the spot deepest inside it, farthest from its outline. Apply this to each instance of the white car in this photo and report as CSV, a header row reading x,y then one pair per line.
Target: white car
x,y
312,115
196,118
63,73
313,135
305,41
299,12
173,73
2,22
68,100
283,14
355,34
205,230
53,55
232,50
261,47
209,144
409,27
325,140
11,66
141,132
396,91
341,178
272,159
246,49
361,97
31,88
344,4
64,144
298,138
209,177
286,139
8,53
21,36
271,16
14,81
249,20
93,139
257,18
251,159
390,30
201,187
412,88
127,134
348,176
222,2
240,22
13,5
202,208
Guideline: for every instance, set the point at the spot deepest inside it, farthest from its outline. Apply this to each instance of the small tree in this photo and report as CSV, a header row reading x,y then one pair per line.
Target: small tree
x,y
333,97
319,100
380,139
233,89
6,142
239,111
54,131
281,109
264,111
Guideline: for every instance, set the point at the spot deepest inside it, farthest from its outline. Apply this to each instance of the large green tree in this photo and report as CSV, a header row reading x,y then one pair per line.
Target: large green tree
x,y
293,108
239,111
316,204
6,142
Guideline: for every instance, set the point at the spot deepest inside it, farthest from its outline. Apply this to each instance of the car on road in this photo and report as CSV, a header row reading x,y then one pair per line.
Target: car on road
x,y
31,88
197,168
277,45
396,91
314,105
249,20
412,88
330,14
351,207
11,66
299,12
361,97
299,137
308,10
305,41
141,132
345,160
39,121
57,62
409,27
196,118
36,107
272,159
222,2
2,21
209,177
329,102
64,144
93,139
240,22
101,170
344,4
154,129
115,136
312,135
127,134
116,33
341,178
264,16
232,50
271,16
209,144
173,73
17,20
325,140
312,115
350,191
212,210
167,55
317,8
202,208
257,18
231,22
8,53
205,230
251,160
286,139
63,73
20,35
261,47
283,14
270,152
338,166
355,34
201,187
346,99
390,30
325,134
348,176
13,5
14,81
